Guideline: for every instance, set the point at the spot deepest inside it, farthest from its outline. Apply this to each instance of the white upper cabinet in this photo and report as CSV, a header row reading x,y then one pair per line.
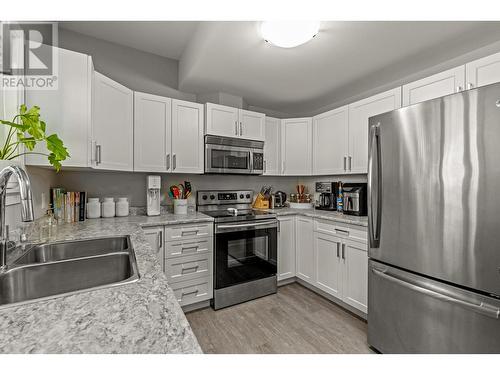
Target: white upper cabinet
x,y
272,145
152,132
286,247
330,142
359,113
435,86
355,274
305,260
112,125
66,110
296,146
252,125
233,122
187,137
222,120
483,71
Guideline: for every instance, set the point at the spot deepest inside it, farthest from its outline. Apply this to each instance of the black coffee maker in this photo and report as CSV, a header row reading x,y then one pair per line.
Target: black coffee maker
x,y
327,196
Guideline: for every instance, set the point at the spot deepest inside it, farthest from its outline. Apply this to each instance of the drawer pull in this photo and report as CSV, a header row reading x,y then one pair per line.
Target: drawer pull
x,y
195,231
188,293
343,231
195,247
190,268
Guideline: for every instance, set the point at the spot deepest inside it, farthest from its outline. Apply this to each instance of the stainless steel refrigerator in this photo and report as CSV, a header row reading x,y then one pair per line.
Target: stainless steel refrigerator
x,y
434,226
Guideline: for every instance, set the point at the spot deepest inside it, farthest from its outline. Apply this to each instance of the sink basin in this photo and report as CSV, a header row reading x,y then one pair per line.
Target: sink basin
x,y
73,249
68,267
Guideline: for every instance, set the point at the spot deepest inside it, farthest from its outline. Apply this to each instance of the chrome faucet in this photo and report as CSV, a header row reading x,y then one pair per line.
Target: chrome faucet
x,y
26,205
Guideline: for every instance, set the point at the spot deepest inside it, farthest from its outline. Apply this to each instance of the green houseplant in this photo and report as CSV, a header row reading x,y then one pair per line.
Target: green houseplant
x,y
27,129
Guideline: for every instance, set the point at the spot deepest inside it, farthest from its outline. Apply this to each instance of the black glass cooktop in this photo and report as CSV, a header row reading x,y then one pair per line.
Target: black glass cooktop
x,y
239,215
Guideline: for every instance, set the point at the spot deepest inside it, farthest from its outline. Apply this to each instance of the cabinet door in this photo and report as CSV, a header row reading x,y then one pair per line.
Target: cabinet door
x,y
152,132
328,264
305,250
187,137
222,120
435,86
483,71
252,125
112,125
296,146
330,142
286,247
155,237
359,112
66,110
272,146
355,274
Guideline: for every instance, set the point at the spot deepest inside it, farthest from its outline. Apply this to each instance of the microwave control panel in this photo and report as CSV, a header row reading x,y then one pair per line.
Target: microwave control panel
x,y
258,161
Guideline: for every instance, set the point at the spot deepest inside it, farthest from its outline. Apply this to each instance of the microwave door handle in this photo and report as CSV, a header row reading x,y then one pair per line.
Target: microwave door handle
x,y
250,161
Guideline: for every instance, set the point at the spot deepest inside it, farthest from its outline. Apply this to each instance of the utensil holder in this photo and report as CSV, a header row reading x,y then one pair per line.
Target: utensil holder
x,y
180,206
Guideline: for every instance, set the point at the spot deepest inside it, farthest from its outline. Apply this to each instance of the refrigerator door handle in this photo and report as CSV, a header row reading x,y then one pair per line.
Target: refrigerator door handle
x,y
374,169
482,308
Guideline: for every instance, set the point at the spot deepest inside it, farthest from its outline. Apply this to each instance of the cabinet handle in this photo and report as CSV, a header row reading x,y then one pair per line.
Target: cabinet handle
x,y
459,88
345,163
470,86
97,154
350,162
236,128
338,249
190,268
160,236
191,292
282,167
343,251
168,162
343,231
174,160
265,166
241,128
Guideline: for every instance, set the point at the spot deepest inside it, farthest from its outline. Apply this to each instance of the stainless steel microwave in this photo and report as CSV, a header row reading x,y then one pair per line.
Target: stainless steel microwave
x,y
233,155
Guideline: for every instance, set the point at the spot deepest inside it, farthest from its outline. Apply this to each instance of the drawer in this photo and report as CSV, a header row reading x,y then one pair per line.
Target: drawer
x,y
188,267
339,230
188,231
189,247
192,291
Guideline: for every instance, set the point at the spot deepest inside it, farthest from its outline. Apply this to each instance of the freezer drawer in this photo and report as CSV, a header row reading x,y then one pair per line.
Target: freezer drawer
x,y
408,313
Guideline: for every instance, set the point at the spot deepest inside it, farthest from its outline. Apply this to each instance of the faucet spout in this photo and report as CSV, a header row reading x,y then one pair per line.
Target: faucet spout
x,y
27,213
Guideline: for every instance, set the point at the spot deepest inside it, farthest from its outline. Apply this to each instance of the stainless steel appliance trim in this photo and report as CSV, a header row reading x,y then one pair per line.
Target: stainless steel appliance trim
x,y
243,292
247,170
261,224
233,142
482,308
374,228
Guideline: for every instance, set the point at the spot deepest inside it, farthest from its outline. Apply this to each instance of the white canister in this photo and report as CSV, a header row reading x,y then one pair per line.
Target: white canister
x,y
108,207
180,206
122,206
93,208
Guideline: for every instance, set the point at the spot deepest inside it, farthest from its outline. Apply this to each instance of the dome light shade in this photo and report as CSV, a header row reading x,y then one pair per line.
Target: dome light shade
x,y
288,34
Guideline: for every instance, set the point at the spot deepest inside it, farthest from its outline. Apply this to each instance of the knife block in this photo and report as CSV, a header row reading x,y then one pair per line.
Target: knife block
x,y
261,202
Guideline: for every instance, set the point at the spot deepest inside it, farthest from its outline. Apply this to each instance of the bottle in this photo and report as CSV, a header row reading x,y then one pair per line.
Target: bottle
x,y
340,199
108,207
122,206
93,208
48,226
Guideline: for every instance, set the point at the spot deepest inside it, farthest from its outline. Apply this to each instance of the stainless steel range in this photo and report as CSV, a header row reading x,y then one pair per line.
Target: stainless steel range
x,y
245,247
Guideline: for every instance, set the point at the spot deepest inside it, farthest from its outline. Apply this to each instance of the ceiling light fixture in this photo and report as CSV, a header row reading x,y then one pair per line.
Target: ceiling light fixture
x,y
288,34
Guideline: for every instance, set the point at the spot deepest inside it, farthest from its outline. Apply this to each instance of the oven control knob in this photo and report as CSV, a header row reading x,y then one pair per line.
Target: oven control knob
x,y
241,196
212,196
248,196
204,197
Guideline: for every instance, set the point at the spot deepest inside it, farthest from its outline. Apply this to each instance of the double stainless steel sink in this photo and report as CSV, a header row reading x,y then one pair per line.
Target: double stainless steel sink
x,y
66,267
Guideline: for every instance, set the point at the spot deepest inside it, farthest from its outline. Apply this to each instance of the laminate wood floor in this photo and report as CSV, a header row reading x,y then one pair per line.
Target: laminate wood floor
x,y
295,320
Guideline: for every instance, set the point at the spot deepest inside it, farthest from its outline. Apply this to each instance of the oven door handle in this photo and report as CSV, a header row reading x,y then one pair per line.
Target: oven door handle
x,y
247,225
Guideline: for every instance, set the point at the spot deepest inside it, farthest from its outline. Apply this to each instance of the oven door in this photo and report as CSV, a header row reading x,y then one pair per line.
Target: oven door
x,y
228,159
245,251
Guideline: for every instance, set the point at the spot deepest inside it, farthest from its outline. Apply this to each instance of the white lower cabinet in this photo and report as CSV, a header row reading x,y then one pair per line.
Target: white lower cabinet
x,y
154,236
328,264
188,261
286,247
355,275
305,249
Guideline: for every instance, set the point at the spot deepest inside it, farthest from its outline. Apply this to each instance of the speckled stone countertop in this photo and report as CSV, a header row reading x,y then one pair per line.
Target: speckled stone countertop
x,y
326,215
142,317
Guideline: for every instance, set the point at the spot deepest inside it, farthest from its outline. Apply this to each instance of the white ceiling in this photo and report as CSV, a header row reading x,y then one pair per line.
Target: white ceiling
x,y
343,60
167,39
